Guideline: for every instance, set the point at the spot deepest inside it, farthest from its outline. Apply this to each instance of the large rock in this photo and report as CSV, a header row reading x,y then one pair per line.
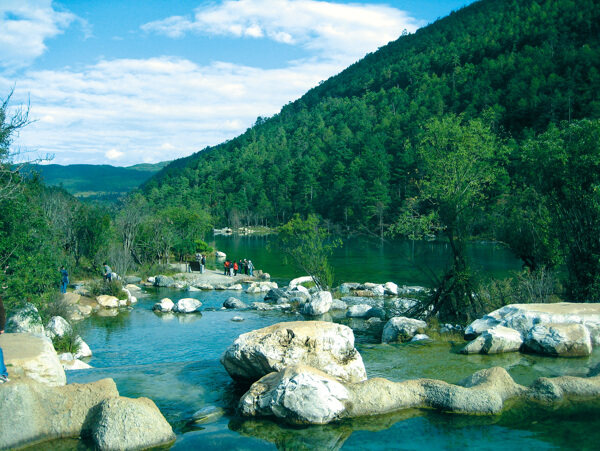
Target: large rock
x,y
107,301
125,423
165,305
34,356
297,394
346,287
58,327
494,341
564,340
234,303
25,320
326,346
83,350
187,305
402,329
302,395
163,281
319,304
523,317
32,412
71,298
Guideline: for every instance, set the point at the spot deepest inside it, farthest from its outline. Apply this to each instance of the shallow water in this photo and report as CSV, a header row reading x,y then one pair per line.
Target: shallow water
x,y
174,360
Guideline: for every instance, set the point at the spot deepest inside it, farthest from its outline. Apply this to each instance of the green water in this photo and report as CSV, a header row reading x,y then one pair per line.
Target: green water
x,y
370,260
174,360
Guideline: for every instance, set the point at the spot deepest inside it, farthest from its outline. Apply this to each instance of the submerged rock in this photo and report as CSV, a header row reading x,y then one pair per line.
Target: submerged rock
x,y
323,345
208,414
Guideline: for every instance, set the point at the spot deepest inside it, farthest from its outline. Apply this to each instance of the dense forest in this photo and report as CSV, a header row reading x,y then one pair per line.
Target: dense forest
x,y
347,149
485,123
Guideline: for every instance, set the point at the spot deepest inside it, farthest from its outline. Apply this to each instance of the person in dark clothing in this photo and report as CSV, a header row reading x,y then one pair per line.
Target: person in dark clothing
x,y
64,280
3,372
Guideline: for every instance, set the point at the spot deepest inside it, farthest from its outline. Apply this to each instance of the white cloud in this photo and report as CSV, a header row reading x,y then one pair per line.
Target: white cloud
x,y
113,154
25,25
344,30
132,110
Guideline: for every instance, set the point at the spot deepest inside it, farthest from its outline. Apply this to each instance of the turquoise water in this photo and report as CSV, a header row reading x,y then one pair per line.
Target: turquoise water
x,y
174,360
369,260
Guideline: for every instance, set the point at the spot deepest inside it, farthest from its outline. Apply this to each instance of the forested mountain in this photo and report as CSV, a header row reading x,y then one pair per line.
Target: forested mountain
x,y
345,150
93,181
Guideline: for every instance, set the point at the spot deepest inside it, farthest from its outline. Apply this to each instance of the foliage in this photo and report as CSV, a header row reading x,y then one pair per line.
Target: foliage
x,y
308,245
112,288
68,342
346,151
53,304
563,164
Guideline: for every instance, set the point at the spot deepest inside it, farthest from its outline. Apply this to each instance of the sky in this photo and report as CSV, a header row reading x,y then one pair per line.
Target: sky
x,y
123,82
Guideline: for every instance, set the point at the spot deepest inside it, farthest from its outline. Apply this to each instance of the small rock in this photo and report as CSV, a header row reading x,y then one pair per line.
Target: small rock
x,y
420,337
318,304
83,350
235,287
237,319
337,304
358,311
165,305
391,289
208,414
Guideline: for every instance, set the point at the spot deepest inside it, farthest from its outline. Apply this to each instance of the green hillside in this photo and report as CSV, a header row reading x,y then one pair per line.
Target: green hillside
x,y
95,181
345,149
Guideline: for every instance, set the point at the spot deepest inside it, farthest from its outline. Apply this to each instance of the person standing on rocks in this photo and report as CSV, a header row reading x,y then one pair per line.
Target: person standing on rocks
x,y
3,372
107,273
64,280
250,268
235,268
202,263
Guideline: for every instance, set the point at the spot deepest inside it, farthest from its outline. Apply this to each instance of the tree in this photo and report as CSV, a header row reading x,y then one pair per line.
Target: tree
x,y
564,165
462,163
308,245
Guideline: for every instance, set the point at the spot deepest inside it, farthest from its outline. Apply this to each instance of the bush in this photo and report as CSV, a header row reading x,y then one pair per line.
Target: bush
x,y
53,304
112,288
68,342
148,270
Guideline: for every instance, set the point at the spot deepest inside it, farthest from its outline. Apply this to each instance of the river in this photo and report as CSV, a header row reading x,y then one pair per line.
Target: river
x,y
174,360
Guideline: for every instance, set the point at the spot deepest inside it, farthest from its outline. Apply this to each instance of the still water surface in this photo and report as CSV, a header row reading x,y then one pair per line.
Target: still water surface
x,y
174,360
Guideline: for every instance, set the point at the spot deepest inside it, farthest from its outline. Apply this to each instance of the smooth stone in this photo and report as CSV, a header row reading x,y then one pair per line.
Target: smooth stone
x,y
34,356
237,319
319,304
402,329
234,303
338,304
58,327
496,340
323,345
563,340
165,305
208,414
390,288
421,337
107,301
83,350
187,305
163,281
358,311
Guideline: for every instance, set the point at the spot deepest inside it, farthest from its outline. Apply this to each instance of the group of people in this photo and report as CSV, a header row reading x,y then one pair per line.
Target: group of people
x,y
233,268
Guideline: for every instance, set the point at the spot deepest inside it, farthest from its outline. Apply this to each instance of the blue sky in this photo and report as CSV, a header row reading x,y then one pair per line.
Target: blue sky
x,y
125,82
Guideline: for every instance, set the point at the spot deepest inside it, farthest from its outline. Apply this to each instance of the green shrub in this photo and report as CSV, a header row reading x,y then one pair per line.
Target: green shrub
x,y
68,342
112,288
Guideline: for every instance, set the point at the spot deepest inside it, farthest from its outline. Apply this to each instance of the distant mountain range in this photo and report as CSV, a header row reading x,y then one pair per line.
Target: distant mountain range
x,y
95,182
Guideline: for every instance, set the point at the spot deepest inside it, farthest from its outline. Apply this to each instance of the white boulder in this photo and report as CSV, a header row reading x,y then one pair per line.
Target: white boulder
x,y
298,394
358,311
188,305
319,304
107,301
57,327
165,305
402,329
83,350
326,346
390,288
564,340
496,340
